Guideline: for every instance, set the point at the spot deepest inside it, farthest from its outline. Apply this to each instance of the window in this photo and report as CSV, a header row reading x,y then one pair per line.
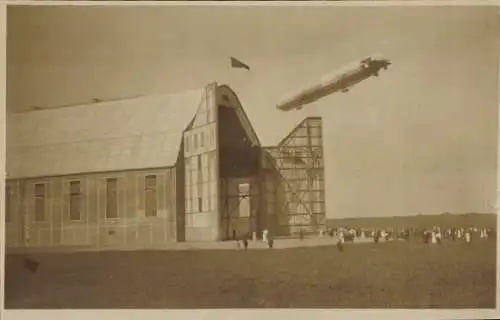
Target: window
x,y
225,97
199,161
186,143
202,140
195,141
209,202
74,201
200,204
111,198
39,202
151,201
244,195
8,202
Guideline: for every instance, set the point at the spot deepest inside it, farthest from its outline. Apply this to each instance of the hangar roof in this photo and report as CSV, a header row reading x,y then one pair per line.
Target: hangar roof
x,y
132,133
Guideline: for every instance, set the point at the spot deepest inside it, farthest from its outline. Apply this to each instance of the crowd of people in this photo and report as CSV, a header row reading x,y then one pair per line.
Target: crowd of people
x,y
435,234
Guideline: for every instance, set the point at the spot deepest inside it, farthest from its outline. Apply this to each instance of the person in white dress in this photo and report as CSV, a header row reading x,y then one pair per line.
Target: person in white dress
x,y
433,237
382,234
467,237
264,235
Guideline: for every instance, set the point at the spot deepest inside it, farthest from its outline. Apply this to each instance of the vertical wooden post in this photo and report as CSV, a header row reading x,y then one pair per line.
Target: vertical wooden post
x,y
308,169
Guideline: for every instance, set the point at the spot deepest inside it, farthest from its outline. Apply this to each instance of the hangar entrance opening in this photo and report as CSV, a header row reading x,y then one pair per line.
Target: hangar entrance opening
x,y
279,188
239,175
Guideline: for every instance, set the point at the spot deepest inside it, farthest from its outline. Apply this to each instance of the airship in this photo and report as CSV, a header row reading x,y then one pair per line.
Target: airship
x,y
338,81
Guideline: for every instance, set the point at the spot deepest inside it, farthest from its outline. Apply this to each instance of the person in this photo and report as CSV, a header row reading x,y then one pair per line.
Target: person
x,y
341,237
467,236
264,235
245,243
301,234
270,243
340,243
438,237
426,237
234,234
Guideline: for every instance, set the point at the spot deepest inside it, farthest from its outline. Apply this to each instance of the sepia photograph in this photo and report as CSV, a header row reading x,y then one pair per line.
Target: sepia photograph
x,y
251,157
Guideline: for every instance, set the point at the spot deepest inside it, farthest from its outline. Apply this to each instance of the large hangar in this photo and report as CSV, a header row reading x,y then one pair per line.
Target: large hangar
x,y
157,169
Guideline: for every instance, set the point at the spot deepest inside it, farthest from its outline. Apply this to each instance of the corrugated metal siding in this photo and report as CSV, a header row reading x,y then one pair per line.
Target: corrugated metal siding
x,y
200,162
130,228
126,134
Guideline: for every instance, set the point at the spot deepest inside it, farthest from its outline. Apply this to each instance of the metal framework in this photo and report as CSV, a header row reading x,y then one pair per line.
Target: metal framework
x,y
294,179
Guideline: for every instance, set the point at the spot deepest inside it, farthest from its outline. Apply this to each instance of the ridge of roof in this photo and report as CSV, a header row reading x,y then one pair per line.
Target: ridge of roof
x,y
104,102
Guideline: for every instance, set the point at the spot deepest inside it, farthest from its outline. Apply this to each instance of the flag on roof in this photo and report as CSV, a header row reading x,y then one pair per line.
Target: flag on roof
x,y
235,63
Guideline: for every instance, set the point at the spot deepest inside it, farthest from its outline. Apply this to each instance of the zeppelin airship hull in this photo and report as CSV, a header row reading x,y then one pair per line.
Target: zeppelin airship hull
x,y
340,81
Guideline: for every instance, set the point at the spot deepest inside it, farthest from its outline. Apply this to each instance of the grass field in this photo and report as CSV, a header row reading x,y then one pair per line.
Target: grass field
x,y
397,274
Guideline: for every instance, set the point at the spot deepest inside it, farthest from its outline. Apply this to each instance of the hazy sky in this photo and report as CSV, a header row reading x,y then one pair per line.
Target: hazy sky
x,y
420,138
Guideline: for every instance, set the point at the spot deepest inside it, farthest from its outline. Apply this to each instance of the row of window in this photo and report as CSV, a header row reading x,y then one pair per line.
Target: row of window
x,y
191,202
195,141
76,199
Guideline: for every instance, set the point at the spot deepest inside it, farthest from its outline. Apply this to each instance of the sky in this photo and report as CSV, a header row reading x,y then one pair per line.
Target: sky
x,y
421,138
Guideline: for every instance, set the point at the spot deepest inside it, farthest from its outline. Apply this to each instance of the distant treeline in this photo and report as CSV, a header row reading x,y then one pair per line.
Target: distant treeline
x,y
444,220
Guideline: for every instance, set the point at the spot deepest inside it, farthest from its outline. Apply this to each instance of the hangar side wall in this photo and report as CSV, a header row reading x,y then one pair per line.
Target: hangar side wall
x,y
99,210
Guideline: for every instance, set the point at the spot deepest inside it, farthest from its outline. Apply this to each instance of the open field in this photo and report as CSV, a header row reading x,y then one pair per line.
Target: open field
x,y
395,274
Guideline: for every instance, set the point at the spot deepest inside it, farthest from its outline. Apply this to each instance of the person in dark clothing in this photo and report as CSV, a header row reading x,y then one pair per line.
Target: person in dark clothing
x,y
301,234
245,243
426,237
270,242
340,246
234,234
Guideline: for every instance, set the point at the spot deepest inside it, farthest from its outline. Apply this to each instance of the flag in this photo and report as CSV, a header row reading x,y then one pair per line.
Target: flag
x,y
235,63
